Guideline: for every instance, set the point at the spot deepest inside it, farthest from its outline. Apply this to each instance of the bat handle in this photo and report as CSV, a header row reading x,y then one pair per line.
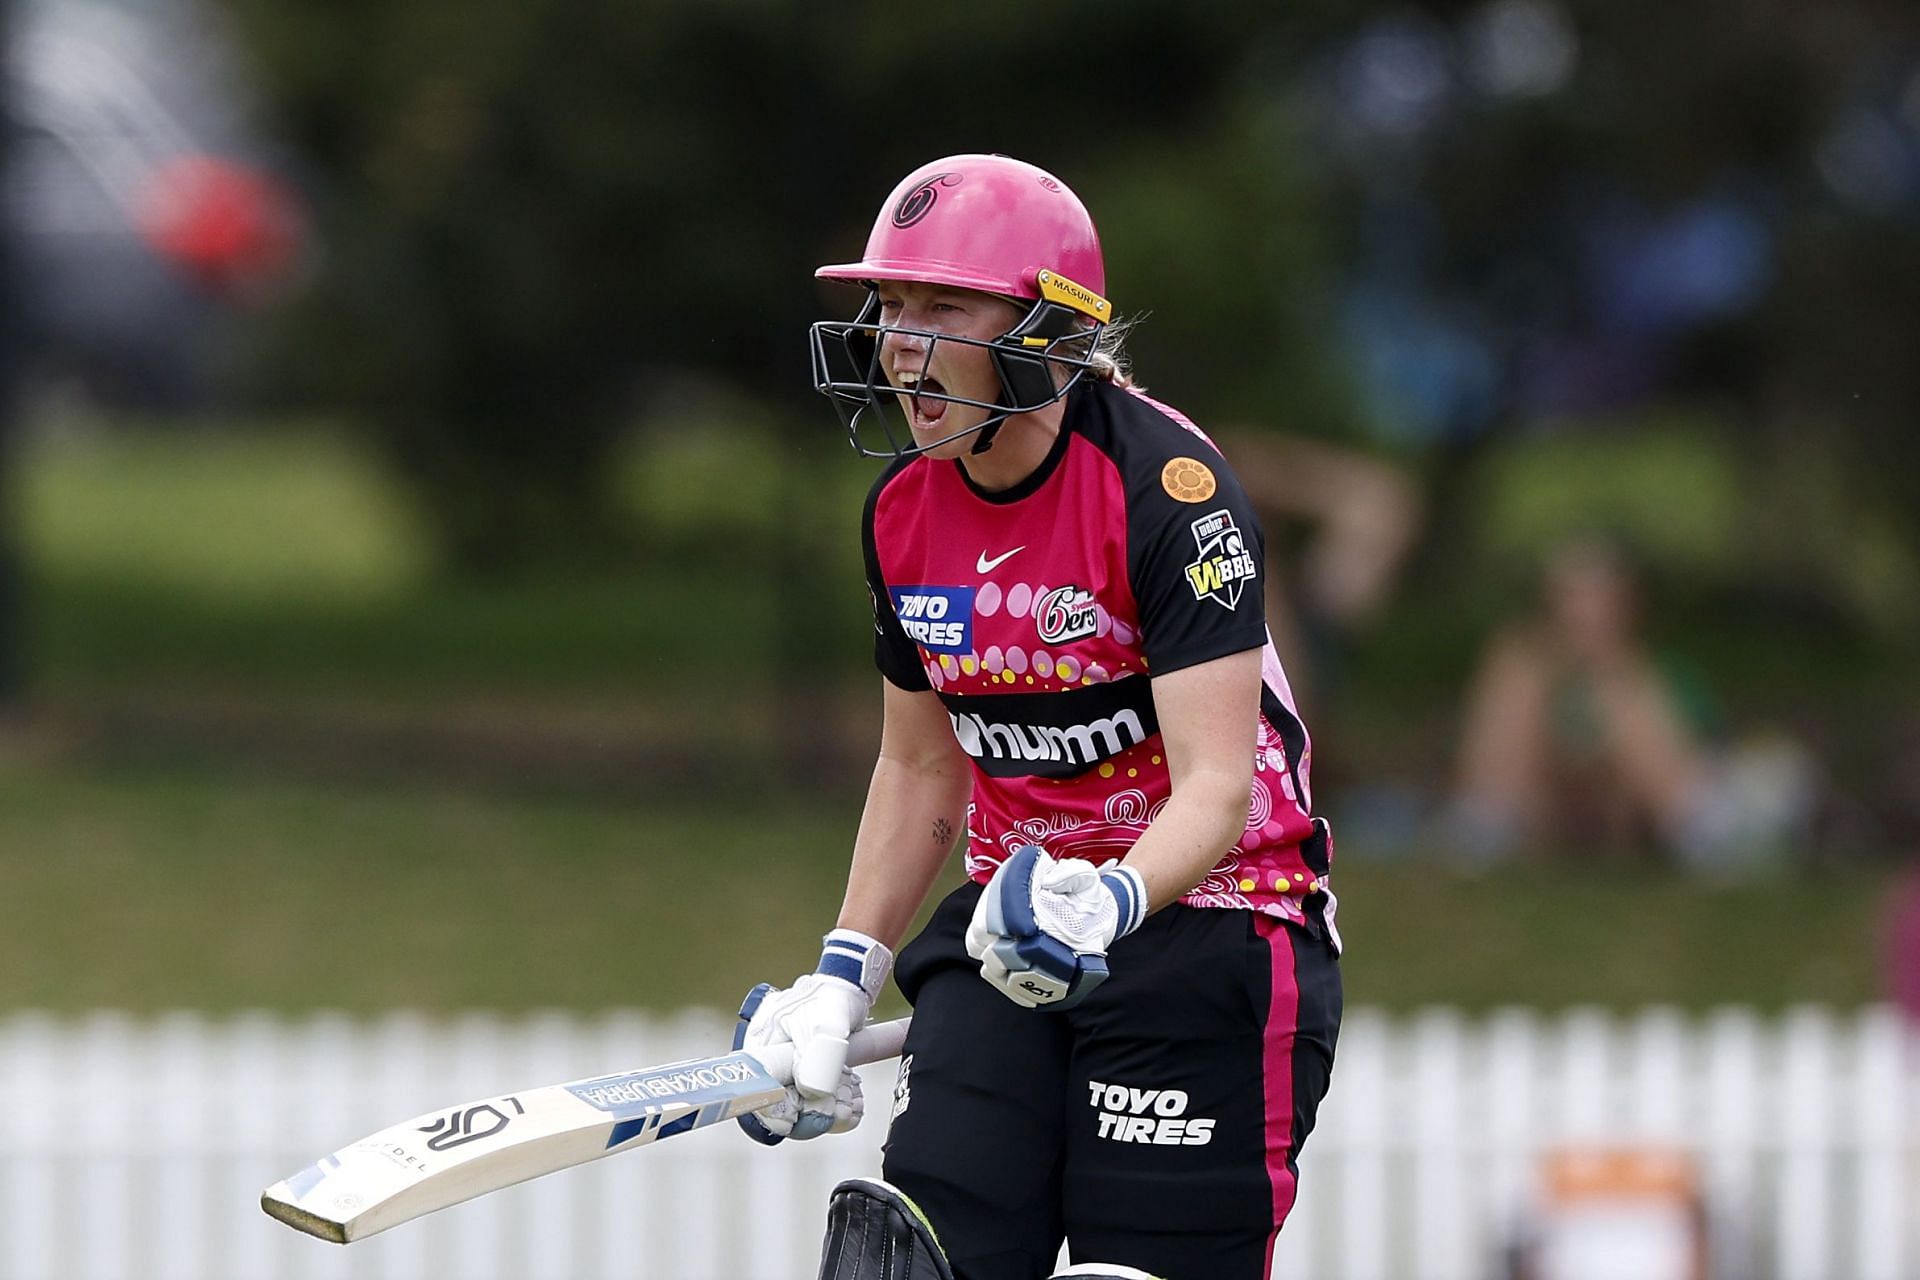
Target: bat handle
x,y
874,1043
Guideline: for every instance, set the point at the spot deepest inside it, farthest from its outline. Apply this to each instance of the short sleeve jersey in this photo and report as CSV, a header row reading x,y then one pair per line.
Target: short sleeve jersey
x,y
1039,616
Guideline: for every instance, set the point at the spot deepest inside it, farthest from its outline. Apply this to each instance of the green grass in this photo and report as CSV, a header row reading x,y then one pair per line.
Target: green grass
x,y
252,700
1559,936
261,603
612,634
299,514
289,562
160,888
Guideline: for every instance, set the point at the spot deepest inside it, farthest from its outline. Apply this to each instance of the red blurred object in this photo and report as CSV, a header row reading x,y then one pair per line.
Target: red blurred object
x,y
233,228
1903,945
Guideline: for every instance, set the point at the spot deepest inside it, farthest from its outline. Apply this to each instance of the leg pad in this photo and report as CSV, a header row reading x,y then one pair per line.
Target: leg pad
x,y
876,1233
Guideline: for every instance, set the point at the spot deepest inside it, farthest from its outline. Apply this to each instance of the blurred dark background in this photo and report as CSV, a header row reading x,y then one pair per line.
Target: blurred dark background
x,y
435,582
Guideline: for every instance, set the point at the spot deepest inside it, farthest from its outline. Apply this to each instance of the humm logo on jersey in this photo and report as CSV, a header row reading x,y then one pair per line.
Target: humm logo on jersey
x,y
938,619
1073,745
1051,735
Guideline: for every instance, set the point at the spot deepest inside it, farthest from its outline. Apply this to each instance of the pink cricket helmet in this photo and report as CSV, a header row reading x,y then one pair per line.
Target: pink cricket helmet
x,y
984,222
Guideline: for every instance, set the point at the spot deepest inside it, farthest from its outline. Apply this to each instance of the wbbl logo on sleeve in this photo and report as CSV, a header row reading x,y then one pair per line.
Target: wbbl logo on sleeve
x,y
938,619
1224,565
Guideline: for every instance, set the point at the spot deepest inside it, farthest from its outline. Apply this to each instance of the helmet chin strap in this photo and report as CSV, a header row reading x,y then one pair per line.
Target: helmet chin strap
x,y
983,439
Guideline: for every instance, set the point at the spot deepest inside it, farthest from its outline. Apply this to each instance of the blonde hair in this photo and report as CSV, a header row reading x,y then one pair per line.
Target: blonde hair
x,y
1109,359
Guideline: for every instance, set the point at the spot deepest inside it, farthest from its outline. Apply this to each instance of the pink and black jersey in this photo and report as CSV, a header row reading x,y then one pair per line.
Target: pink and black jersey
x,y
1038,615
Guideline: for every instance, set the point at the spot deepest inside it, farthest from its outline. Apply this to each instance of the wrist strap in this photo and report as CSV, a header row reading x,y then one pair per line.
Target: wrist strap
x,y
853,957
1129,890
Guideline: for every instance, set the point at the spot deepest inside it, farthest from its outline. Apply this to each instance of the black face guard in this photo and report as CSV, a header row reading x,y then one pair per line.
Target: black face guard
x,y
846,370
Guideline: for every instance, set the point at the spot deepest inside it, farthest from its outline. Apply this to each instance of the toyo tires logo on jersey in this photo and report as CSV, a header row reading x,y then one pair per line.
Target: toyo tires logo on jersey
x,y
938,619
1224,565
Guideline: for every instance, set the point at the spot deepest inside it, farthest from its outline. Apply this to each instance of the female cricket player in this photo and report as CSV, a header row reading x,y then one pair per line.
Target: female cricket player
x,y
1124,1019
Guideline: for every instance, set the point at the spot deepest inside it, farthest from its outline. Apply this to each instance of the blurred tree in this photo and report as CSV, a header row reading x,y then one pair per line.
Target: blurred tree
x,y
539,216
1706,212
537,213
11,676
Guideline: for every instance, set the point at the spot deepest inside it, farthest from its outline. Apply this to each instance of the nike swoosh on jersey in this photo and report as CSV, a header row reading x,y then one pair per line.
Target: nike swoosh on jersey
x,y
984,565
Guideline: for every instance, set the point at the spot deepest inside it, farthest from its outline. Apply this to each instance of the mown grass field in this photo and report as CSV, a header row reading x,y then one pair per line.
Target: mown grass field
x,y
150,888
291,563
346,847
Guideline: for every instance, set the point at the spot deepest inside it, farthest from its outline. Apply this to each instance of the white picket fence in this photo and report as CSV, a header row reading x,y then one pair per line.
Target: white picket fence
x,y
136,1149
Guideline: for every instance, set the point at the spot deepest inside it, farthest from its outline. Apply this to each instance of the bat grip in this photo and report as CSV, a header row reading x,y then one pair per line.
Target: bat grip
x,y
873,1043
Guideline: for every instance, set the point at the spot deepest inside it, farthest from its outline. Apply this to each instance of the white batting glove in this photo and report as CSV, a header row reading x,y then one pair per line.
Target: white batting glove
x,y
784,1119
816,1015
1042,927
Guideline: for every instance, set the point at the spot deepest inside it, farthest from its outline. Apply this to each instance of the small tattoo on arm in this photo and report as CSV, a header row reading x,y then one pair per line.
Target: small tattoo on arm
x,y
942,831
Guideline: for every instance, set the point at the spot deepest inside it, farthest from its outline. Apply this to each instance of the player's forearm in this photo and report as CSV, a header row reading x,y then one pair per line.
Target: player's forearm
x,y
912,817
1205,815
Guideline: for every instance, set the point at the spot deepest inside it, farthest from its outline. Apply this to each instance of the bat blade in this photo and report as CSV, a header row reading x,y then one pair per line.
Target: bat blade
x,y
456,1153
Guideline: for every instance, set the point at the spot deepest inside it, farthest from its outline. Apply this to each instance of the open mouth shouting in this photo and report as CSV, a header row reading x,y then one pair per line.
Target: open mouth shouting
x,y
923,397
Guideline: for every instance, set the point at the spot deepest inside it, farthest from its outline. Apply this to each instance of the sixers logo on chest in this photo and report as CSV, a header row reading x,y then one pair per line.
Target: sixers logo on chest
x,y
1064,614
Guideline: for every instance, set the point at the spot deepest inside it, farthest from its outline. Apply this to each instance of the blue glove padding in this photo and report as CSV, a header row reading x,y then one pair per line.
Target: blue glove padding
x,y
751,1124
1042,926
816,1015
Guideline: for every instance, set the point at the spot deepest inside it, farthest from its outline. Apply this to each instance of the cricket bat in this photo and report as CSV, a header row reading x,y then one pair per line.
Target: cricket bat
x,y
456,1153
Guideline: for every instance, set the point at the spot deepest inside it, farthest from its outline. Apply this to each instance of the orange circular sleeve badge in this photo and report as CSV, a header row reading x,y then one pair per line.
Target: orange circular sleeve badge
x,y
1188,480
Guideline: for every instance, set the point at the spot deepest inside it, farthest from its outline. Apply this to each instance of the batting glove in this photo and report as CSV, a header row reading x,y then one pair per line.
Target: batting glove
x,y
816,1015
1042,927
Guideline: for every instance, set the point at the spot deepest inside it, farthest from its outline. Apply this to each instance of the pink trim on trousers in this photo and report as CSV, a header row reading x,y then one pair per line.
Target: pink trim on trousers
x,y
1283,1017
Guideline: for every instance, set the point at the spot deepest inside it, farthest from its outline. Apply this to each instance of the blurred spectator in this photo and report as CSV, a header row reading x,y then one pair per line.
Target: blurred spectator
x,y
1361,515
1576,735
1901,945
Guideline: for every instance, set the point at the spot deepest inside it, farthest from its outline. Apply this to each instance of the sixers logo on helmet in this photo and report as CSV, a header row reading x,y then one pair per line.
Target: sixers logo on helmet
x,y
918,203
